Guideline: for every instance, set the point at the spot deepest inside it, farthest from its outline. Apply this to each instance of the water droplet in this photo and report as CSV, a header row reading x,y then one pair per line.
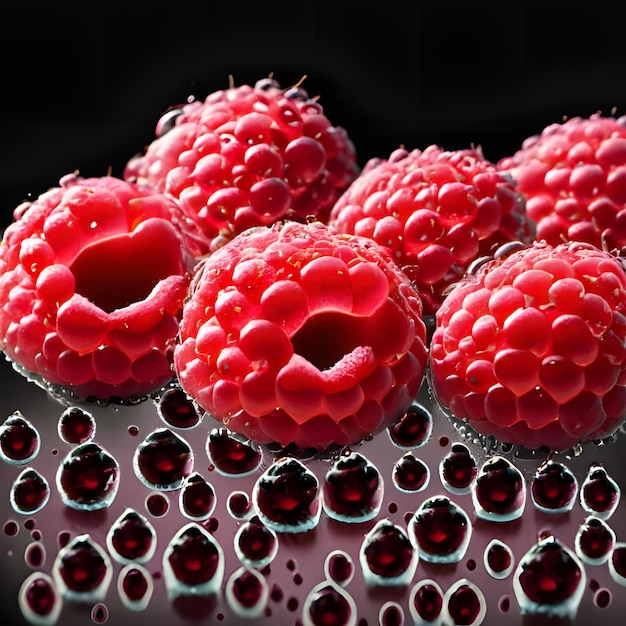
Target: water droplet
x,y
231,454
391,614
99,613
441,530
246,592
76,425
163,460
10,528
352,490
328,603
553,488
499,492
157,504
498,559
387,556
39,600
88,478
457,469
426,601
286,497
594,540
82,570
465,603
413,429
19,440
177,410
197,498
193,563
617,563
602,598
30,492
410,474
239,505
599,493
255,544
135,586
339,567
35,555
131,538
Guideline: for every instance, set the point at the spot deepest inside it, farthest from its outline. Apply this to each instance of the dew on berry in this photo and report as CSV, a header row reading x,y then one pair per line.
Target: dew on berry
x,y
39,600
131,538
246,592
387,556
157,504
441,530
426,601
135,586
410,474
339,567
458,469
88,478
231,454
599,493
413,429
30,492
553,488
328,603
255,544
177,410
76,425
82,570
163,460
197,498
594,541
465,603
19,440
35,554
617,563
498,559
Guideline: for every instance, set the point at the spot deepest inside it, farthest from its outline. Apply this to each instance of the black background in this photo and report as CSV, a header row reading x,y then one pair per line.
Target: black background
x,y
85,82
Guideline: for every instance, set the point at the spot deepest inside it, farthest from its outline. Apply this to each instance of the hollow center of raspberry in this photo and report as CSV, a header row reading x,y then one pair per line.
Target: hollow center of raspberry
x,y
122,269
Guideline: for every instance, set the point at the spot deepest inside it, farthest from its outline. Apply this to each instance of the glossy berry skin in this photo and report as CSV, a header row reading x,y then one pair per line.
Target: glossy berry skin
x,y
246,156
298,334
573,175
436,211
92,280
530,349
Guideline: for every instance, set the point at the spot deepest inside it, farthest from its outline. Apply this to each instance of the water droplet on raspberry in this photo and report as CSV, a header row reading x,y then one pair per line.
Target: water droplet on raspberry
x,y
465,603
177,410
410,474
498,559
617,563
255,544
458,469
339,567
286,497
197,498
19,440
193,563
329,604
157,504
231,454
594,540
426,601
135,586
246,592
76,425
163,460
239,505
39,599
391,614
131,538
549,580
599,493
441,530
35,555
413,429
499,492
82,570
88,478
387,555
352,490
30,492
553,488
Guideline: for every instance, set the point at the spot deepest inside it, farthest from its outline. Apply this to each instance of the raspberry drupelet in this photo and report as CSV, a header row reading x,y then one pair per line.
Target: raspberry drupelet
x,y
297,334
436,211
530,349
93,276
246,156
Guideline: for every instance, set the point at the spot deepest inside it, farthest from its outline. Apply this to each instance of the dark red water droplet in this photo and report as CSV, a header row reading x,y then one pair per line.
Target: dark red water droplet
x,y
387,555
287,498
441,530
88,478
99,613
554,488
238,504
135,586
178,410
426,601
133,431
197,497
19,440
504,604
413,429
328,604
498,559
602,598
599,493
231,454
247,592
391,614
76,425
617,563
63,538
352,490
458,469
594,540
466,604
39,599
157,504
163,460
339,567
255,544
35,555
131,538
10,528
410,474
499,492
30,492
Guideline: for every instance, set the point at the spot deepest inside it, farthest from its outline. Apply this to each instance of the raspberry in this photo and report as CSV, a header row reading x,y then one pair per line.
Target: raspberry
x,y
530,349
436,211
297,334
246,156
92,281
574,178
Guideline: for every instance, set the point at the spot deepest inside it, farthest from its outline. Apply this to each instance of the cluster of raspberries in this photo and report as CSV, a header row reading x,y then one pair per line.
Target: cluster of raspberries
x,y
246,256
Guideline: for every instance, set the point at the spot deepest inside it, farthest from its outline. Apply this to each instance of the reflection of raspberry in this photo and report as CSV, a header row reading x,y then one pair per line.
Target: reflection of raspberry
x,y
297,334
574,178
531,349
92,280
247,156
435,210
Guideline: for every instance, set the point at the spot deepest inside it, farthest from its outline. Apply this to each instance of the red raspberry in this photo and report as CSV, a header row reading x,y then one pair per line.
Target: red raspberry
x,y
247,156
574,178
295,333
436,211
92,281
530,348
